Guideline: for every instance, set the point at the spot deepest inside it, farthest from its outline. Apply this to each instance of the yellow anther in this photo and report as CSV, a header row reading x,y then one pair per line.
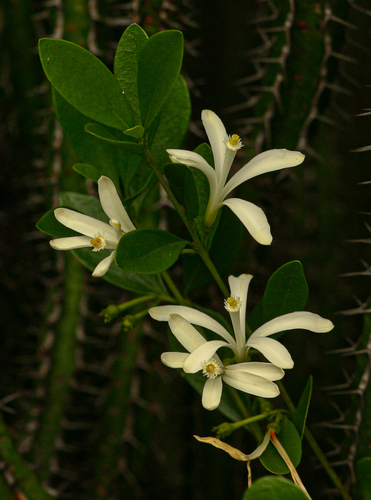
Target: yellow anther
x,y
98,243
234,140
232,304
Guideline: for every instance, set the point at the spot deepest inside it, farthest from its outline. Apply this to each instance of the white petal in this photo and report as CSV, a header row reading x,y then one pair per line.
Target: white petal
x,y
269,161
217,135
275,352
294,321
203,353
174,359
261,448
186,334
212,393
103,266
71,243
239,287
265,370
112,204
252,384
83,223
161,313
253,218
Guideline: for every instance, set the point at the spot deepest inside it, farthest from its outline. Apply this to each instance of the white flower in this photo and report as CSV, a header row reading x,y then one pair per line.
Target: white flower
x,y
224,149
95,233
251,377
272,350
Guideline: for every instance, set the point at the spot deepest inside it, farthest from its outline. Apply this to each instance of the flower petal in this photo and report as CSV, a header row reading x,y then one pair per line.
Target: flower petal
x,y
253,218
268,161
297,320
174,359
83,223
275,352
161,313
239,287
261,448
71,243
112,204
252,384
265,370
217,136
185,333
203,353
103,266
212,393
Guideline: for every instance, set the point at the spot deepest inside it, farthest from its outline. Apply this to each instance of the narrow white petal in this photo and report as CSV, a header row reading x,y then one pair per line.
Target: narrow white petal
x,y
71,243
83,223
239,287
203,353
252,384
217,136
103,266
212,393
261,448
186,334
174,359
294,321
268,161
265,370
253,218
112,204
162,313
275,352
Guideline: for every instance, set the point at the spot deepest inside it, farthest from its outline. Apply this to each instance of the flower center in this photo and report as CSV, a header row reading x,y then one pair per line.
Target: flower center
x,y
232,304
98,242
234,142
211,368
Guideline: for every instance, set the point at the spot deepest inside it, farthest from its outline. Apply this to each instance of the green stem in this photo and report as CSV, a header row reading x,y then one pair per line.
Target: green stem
x,y
189,225
25,477
317,450
172,287
255,429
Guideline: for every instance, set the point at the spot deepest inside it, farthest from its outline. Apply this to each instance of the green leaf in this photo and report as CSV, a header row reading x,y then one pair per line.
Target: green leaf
x,y
126,66
274,488
100,132
290,440
301,412
49,225
286,292
88,171
137,132
363,473
159,66
85,82
148,251
184,188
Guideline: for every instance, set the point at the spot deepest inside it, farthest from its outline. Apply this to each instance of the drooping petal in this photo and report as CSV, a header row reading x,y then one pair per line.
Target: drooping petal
x,y
252,384
217,136
297,320
212,393
239,287
112,204
103,266
261,448
186,334
71,243
195,317
174,359
275,352
268,161
203,353
83,223
253,218
265,370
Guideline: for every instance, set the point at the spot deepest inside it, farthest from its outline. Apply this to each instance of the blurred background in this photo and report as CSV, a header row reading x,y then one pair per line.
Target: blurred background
x,y
90,405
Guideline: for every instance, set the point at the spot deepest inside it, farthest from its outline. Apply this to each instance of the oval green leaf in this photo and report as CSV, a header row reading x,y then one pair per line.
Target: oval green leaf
x,y
274,488
148,251
100,132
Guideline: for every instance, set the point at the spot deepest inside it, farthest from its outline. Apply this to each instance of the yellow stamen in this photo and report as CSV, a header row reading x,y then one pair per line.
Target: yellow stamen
x,y
211,368
233,304
234,140
98,243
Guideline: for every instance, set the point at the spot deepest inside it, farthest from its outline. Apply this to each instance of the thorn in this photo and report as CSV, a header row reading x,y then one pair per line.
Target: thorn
x,y
360,150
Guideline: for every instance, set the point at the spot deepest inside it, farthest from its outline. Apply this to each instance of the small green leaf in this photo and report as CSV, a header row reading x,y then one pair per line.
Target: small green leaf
x,y
137,132
274,488
148,251
290,440
159,66
301,413
101,133
85,82
126,66
363,473
88,171
49,225
184,188
286,292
